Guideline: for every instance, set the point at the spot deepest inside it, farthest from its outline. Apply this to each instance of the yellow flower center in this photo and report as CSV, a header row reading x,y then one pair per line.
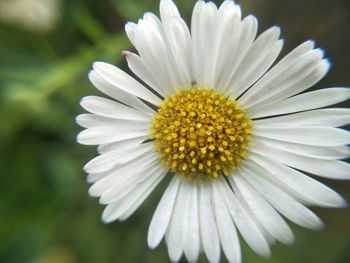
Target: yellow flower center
x,y
199,133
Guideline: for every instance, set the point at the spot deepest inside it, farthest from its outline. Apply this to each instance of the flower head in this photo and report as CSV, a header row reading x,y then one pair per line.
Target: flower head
x,y
235,132
37,15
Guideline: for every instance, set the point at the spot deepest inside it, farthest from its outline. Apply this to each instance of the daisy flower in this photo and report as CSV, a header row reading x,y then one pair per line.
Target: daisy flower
x,y
36,15
233,132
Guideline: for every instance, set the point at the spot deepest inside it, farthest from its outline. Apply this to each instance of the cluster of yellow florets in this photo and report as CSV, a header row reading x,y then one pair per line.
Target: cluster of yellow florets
x,y
200,133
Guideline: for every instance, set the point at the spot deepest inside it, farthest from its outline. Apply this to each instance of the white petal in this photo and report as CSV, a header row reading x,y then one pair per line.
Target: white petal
x,y
286,205
226,41
92,120
249,230
130,31
140,199
298,184
94,177
109,160
154,51
262,86
119,146
119,189
306,101
190,233
203,28
247,33
178,76
125,207
272,222
309,135
325,168
168,9
103,135
121,174
324,117
226,228
118,94
208,229
139,68
163,213
122,81
307,80
259,69
180,42
179,39
174,232
111,109
301,75
156,27
318,152
260,56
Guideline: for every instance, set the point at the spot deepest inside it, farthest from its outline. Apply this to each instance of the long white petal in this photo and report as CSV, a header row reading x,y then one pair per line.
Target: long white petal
x,y
301,186
126,206
163,213
130,31
306,101
111,109
262,210
286,205
121,80
226,228
167,8
174,238
179,39
109,160
256,62
94,177
324,117
138,66
246,225
117,93
101,135
325,168
121,174
119,146
190,233
203,28
176,70
318,152
140,199
262,86
91,120
247,33
208,225
304,73
307,78
196,37
121,188
152,48
148,189
309,135
226,42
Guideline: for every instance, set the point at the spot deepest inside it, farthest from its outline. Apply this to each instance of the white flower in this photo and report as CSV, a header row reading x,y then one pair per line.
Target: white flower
x,y
236,135
36,15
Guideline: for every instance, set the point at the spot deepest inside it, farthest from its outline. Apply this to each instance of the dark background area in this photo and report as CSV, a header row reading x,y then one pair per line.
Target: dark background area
x,y
46,215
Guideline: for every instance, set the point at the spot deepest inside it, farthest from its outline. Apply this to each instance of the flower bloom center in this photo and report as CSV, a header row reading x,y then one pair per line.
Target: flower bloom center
x,y
199,133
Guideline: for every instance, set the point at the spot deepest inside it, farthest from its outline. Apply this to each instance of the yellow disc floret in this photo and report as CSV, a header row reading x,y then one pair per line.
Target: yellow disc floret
x,y
199,133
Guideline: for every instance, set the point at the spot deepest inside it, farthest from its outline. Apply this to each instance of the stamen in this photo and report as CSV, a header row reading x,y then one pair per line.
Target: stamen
x,y
200,134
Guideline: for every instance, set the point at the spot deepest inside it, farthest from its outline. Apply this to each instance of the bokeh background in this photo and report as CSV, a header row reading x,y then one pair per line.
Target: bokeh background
x,y
46,50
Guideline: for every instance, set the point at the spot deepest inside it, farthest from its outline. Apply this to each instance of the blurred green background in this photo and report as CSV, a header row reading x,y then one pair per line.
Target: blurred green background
x,y
46,50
